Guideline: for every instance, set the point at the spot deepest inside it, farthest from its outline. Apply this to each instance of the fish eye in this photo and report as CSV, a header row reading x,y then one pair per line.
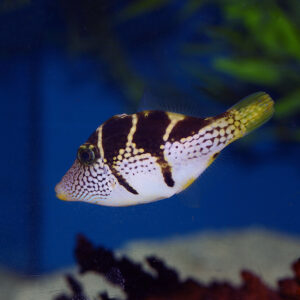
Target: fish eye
x,y
86,154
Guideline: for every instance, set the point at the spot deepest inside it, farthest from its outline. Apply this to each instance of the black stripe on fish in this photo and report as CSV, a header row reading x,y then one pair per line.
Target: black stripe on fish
x,y
187,127
114,137
151,127
122,181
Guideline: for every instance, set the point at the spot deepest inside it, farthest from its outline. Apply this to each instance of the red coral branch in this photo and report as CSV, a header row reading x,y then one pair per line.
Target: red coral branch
x,y
140,285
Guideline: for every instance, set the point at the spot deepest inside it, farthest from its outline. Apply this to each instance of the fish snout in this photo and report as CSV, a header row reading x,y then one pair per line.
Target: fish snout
x,y
61,193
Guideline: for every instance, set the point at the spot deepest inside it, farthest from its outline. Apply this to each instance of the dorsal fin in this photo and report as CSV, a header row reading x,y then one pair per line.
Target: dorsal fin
x,y
174,101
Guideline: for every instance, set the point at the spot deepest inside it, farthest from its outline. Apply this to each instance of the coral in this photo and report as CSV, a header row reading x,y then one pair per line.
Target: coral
x,y
140,285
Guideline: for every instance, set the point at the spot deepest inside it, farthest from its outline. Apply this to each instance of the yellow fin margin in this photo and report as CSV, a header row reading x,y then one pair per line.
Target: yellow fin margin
x,y
188,183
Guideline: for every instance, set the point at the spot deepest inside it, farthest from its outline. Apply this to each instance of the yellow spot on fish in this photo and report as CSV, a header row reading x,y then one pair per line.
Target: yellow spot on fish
x,y
119,157
222,132
237,132
62,197
244,121
162,147
215,133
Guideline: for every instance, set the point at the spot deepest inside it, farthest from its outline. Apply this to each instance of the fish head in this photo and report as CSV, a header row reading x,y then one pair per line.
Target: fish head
x,y
89,178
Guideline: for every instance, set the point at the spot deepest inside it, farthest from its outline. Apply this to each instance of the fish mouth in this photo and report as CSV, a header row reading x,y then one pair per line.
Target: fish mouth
x,y
61,193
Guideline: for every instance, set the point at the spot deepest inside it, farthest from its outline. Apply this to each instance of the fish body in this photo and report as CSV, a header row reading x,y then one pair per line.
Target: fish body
x,y
152,155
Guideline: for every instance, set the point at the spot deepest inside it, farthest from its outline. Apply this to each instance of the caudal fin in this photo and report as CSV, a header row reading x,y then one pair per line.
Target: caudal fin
x,y
252,111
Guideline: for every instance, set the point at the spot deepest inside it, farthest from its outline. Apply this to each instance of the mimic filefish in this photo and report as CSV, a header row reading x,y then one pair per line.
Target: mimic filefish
x,y
152,155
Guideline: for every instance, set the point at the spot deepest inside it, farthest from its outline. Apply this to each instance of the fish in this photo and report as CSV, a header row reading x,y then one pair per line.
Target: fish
x,y
154,154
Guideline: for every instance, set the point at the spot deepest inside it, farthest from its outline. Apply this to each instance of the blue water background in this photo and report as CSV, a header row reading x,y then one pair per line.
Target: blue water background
x,y
51,101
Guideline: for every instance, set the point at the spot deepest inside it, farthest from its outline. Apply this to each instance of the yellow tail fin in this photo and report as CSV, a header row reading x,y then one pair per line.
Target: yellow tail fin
x,y
252,111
